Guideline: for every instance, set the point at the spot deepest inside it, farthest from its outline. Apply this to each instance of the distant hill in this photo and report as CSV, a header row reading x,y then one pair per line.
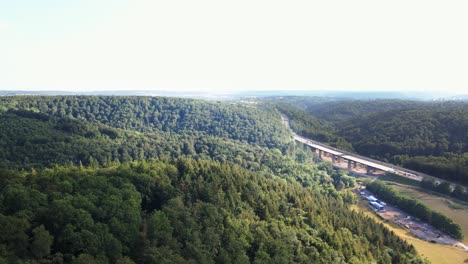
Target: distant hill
x,y
43,131
234,95
430,141
347,110
430,137
175,115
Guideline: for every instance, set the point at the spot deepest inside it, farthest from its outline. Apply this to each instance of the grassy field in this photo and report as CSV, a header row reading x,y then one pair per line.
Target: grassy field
x,y
455,210
398,179
435,253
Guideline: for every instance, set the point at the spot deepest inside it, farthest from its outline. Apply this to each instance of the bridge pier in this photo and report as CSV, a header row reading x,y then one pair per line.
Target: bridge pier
x,y
376,167
333,157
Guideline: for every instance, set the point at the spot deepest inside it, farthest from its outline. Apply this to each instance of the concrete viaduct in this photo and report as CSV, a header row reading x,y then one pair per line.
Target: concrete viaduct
x,y
353,162
338,158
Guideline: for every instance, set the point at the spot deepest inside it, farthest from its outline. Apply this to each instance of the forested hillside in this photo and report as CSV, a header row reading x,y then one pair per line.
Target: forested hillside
x,y
162,114
220,183
182,212
312,127
345,110
431,141
430,137
27,142
412,132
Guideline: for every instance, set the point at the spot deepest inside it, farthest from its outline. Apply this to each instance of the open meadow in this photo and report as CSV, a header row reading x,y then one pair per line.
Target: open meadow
x,y
435,253
456,210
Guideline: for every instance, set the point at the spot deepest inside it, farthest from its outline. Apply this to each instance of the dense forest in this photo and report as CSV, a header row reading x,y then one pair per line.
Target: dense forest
x,y
338,111
41,131
165,180
312,127
29,142
182,211
430,137
161,114
431,141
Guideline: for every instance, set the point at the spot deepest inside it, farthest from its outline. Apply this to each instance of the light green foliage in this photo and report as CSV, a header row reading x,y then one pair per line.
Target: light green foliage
x,y
209,212
164,180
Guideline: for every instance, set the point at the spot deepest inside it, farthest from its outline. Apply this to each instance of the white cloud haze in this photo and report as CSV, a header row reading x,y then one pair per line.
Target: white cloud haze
x,y
239,45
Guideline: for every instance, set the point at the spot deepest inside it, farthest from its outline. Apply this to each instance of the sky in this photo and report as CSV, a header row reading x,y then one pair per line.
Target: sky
x,y
217,45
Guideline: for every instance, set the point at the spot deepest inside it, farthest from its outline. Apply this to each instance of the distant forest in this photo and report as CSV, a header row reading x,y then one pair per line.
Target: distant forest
x,y
430,137
166,180
120,129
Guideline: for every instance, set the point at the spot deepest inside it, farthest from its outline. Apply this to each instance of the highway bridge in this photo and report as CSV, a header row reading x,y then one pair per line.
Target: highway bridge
x,y
353,161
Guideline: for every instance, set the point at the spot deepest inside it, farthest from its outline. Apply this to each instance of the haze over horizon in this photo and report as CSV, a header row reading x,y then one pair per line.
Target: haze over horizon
x,y
416,46
248,131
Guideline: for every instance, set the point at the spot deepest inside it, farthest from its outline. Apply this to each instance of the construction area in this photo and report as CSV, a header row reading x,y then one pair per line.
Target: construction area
x,y
416,227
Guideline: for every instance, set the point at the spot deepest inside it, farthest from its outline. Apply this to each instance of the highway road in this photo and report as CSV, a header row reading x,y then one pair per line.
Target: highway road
x,y
386,167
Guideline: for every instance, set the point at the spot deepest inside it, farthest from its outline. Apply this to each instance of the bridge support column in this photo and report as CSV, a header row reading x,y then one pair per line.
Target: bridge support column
x,y
349,165
333,158
338,159
354,164
368,170
320,153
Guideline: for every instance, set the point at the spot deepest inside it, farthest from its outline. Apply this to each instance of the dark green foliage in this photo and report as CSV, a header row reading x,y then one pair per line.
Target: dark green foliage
x,y
311,127
342,180
450,166
209,213
410,132
446,188
415,208
112,133
29,114
150,114
224,185
14,238
342,111
429,137
430,141
41,242
20,150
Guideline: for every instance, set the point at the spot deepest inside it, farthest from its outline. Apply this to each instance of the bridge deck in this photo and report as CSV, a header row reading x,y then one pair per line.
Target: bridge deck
x,y
369,163
418,176
312,144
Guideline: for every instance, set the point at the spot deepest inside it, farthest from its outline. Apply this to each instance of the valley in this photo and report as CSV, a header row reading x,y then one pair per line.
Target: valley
x,y
418,234
140,179
183,170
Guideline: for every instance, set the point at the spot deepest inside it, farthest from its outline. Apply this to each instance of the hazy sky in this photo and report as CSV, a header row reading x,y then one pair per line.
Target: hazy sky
x,y
234,45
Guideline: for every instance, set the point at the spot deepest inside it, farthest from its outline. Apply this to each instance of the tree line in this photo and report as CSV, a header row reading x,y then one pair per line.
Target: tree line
x,y
445,187
415,208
